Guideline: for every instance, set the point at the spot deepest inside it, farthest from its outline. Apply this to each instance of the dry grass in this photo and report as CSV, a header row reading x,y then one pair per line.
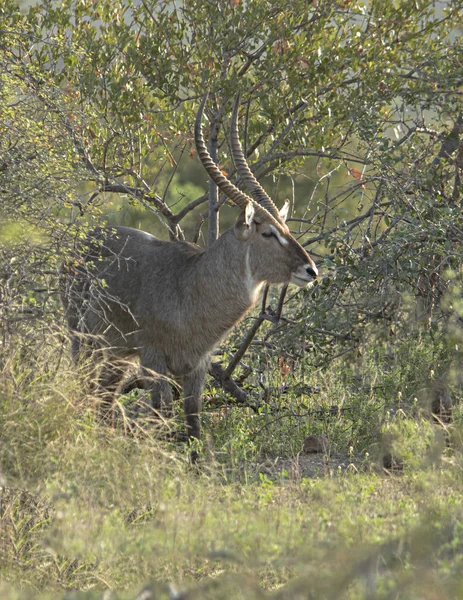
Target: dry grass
x,y
92,511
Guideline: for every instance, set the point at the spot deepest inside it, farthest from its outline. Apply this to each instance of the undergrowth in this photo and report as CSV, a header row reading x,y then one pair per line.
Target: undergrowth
x,y
89,510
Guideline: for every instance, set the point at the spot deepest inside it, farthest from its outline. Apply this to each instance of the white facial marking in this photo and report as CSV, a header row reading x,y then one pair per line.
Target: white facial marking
x,y
283,241
249,280
252,286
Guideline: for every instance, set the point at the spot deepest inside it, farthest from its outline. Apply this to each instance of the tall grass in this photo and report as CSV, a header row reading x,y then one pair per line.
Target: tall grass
x,y
93,511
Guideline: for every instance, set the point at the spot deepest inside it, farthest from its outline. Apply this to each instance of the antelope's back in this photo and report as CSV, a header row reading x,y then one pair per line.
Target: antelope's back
x,y
127,281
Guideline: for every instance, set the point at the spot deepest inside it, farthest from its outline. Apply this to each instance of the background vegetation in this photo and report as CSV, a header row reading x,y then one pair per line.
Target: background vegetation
x,y
353,111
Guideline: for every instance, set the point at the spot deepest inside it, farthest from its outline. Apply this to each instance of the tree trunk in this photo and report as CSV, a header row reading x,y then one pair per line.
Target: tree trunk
x,y
213,190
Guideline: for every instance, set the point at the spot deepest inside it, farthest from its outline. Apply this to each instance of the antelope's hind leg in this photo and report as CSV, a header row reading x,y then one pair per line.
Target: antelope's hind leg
x,y
154,371
100,376
107,384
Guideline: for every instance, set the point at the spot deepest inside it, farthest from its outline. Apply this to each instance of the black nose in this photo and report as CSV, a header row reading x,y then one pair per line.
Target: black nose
x,y
312,271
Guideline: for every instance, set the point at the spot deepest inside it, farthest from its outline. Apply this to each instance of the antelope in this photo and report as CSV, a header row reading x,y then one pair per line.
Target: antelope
x,y
171,302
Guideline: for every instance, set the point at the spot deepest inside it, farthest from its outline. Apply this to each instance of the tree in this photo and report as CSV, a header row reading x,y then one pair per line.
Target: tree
x,y
363,100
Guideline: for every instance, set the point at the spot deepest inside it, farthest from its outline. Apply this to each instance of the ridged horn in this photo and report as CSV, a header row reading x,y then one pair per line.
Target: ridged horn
x,y
224,184
245,173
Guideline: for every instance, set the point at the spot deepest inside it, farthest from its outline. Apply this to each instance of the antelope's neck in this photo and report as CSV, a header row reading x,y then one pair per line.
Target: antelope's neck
x,y
222,286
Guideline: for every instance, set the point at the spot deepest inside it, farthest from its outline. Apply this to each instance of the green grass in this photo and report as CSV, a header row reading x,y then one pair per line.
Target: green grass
x,y
90,511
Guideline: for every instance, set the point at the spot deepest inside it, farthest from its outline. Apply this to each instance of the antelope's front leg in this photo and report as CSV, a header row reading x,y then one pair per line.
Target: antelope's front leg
x,y
193,385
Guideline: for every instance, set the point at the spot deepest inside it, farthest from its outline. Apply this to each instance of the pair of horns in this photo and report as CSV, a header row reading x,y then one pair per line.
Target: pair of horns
x,y
263,204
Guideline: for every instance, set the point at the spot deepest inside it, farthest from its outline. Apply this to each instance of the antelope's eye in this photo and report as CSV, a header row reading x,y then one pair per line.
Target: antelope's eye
x,y
268,234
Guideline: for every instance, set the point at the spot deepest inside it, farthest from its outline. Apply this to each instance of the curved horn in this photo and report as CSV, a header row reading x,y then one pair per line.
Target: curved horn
x,y
224,185
244,171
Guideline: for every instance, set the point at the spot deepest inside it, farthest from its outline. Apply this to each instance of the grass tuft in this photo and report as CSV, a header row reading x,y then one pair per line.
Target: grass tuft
x,y
92,511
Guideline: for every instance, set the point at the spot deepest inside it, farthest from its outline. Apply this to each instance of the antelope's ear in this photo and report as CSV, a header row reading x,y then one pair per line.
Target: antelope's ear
x,y
249,214
245,223
284,210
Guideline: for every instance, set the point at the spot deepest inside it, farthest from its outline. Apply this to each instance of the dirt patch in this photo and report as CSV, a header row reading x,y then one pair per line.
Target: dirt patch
x,y
308,466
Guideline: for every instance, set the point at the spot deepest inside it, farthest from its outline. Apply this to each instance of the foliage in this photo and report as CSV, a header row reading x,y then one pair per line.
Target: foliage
x,y
113,88
89,508
351,109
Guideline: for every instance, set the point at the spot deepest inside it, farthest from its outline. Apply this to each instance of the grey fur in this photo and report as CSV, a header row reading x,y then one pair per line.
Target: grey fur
x,y
171,303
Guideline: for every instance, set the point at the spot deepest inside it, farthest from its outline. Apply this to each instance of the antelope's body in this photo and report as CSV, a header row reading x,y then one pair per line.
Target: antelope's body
x,y
171,303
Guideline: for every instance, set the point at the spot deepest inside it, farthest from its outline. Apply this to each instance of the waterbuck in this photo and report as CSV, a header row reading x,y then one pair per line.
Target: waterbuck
x,y
171,303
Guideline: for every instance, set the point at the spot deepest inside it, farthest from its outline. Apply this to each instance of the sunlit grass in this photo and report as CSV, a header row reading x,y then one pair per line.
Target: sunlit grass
x,y
104,510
